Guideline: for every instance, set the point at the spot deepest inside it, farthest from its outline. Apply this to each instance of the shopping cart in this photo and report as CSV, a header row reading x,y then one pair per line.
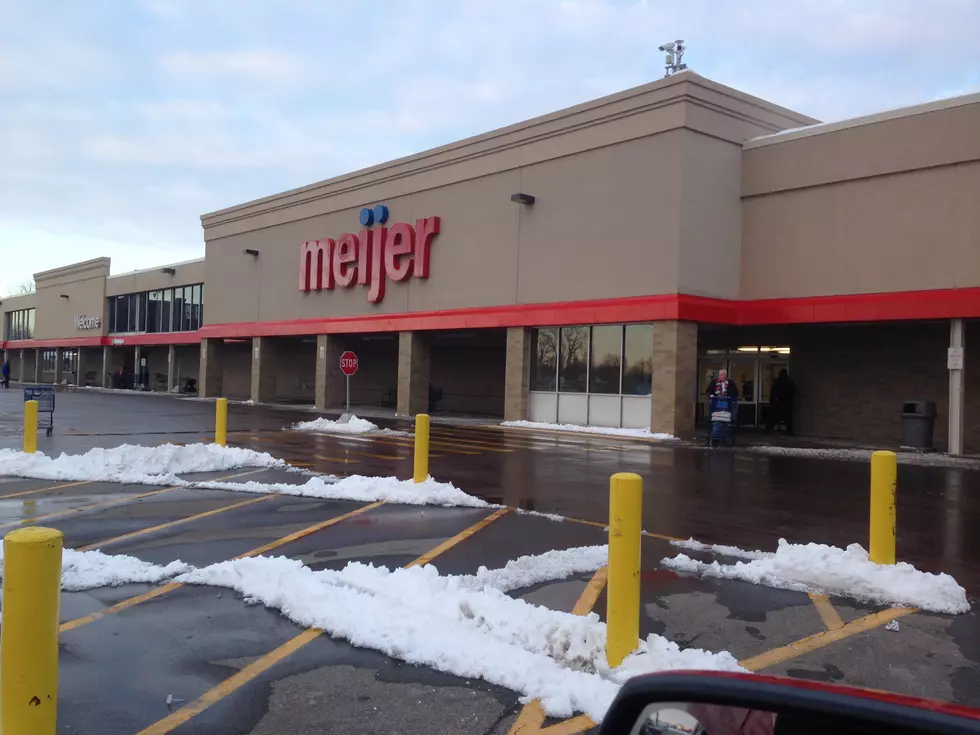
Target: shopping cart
x,y
724,419
44,395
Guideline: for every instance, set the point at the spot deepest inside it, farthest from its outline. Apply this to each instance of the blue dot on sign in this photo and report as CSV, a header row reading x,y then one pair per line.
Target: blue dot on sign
x,y
367,216
381,214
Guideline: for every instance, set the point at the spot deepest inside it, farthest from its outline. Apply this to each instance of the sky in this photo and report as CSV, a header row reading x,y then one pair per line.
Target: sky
x,y
123,121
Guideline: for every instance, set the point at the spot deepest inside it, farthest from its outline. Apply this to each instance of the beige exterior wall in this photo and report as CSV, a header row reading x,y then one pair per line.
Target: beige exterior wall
x,y
151,279
84,286
633,178
886,205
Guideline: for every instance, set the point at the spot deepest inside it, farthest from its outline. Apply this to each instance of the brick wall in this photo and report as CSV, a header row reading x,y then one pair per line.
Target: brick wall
x,y
852,379
236,366
295,370
187,364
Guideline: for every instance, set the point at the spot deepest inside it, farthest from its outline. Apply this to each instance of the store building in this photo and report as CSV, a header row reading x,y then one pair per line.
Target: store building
x,y
594,265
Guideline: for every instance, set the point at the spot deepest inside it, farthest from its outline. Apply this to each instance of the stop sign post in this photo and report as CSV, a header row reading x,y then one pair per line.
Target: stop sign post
x,y
348,366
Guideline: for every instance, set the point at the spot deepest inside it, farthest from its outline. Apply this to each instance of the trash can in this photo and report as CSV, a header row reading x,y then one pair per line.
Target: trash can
x,y
918,421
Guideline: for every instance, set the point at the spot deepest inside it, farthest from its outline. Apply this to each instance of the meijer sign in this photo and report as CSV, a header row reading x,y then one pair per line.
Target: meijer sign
x,y
398,252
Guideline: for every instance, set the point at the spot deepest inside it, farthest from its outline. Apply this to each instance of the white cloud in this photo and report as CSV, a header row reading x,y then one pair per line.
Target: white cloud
x,y
253,65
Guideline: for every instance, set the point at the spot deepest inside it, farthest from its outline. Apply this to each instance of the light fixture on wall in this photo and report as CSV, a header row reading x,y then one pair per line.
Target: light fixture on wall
x,y
64,296
522,198
250,251
168,271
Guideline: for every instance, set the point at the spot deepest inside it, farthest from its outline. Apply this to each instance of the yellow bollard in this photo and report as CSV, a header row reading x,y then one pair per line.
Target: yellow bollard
x,y
29,634
623,594
884,473
221,422
421,447
30,426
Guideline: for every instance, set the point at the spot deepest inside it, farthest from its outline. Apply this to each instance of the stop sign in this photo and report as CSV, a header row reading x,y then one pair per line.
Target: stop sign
x,y
348,363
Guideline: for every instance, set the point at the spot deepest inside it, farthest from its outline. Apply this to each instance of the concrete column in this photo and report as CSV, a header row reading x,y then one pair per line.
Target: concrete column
x,y
212,372
105,366
80,366
957,384
23,366
329,380
263,370
138,368
58,367
413,373
37,365
517,375
675,368
171,367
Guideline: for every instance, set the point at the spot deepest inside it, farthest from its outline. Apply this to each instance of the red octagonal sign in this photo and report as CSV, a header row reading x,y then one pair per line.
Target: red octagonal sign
x,y
348,363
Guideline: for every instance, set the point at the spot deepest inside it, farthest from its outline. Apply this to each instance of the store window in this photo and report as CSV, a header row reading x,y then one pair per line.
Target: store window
x,y
49,360
638,360
573,357
604,359
69,361
19,324
544,359
608,359
166,310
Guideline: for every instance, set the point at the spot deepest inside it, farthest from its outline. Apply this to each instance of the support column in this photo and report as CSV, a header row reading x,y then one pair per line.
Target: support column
x,y
413,374
37,364
956,361
106,358
675,368
171,367
137,368
80,366
212,372
21,376
263,370
59,368
329,380
517,374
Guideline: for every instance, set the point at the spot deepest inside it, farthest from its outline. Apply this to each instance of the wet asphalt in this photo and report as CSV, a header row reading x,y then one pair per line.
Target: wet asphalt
x,y
118,670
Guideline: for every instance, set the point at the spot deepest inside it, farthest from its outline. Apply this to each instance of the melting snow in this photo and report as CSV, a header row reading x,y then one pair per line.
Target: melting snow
x,y
85,570
133,464
354,426
839,572
694,545
611,431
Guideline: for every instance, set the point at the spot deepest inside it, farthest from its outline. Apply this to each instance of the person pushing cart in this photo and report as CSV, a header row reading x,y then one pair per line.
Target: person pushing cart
x,y
723,408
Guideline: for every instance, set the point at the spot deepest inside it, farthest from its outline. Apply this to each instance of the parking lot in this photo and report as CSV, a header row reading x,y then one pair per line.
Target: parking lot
x,y
231,667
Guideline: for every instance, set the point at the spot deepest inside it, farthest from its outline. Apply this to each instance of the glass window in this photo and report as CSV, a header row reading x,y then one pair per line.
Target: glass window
x,y
153,311
638,359
196,308
544,359
141,314
165,310
573,362
30,324
200,308
134,309
185,322
19,324
605,353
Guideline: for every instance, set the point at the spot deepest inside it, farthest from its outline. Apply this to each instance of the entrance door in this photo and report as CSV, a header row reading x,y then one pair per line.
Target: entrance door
x,y
745,373
770,370
707,371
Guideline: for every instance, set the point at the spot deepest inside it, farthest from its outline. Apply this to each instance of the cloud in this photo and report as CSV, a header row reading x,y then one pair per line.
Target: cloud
x,y
253,65
123,122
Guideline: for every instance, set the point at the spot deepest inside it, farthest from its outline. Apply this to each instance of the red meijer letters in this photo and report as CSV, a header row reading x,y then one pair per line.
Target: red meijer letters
x,y
368,259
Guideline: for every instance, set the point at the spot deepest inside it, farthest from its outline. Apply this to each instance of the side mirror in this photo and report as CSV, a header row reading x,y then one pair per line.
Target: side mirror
x,y
722,703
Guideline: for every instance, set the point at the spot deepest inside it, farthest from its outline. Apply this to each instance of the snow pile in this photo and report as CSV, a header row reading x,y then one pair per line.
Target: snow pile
x,y
362,489
840,572
460,625
530,570
610,431
326,426
694,545
85,570
132,464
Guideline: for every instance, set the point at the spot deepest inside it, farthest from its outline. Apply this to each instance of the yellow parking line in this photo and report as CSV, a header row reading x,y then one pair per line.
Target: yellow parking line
x,y
158,591
345,460
46,489
819,640
462,536
262,664
831,618
178,522
90,506
531,719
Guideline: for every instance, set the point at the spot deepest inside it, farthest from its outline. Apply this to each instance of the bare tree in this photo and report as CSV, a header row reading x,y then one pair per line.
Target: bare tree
x,y
25,287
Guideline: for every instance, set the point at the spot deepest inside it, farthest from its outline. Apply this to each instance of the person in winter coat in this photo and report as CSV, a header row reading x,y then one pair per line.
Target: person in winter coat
x,y
5,374
723,386
781,398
